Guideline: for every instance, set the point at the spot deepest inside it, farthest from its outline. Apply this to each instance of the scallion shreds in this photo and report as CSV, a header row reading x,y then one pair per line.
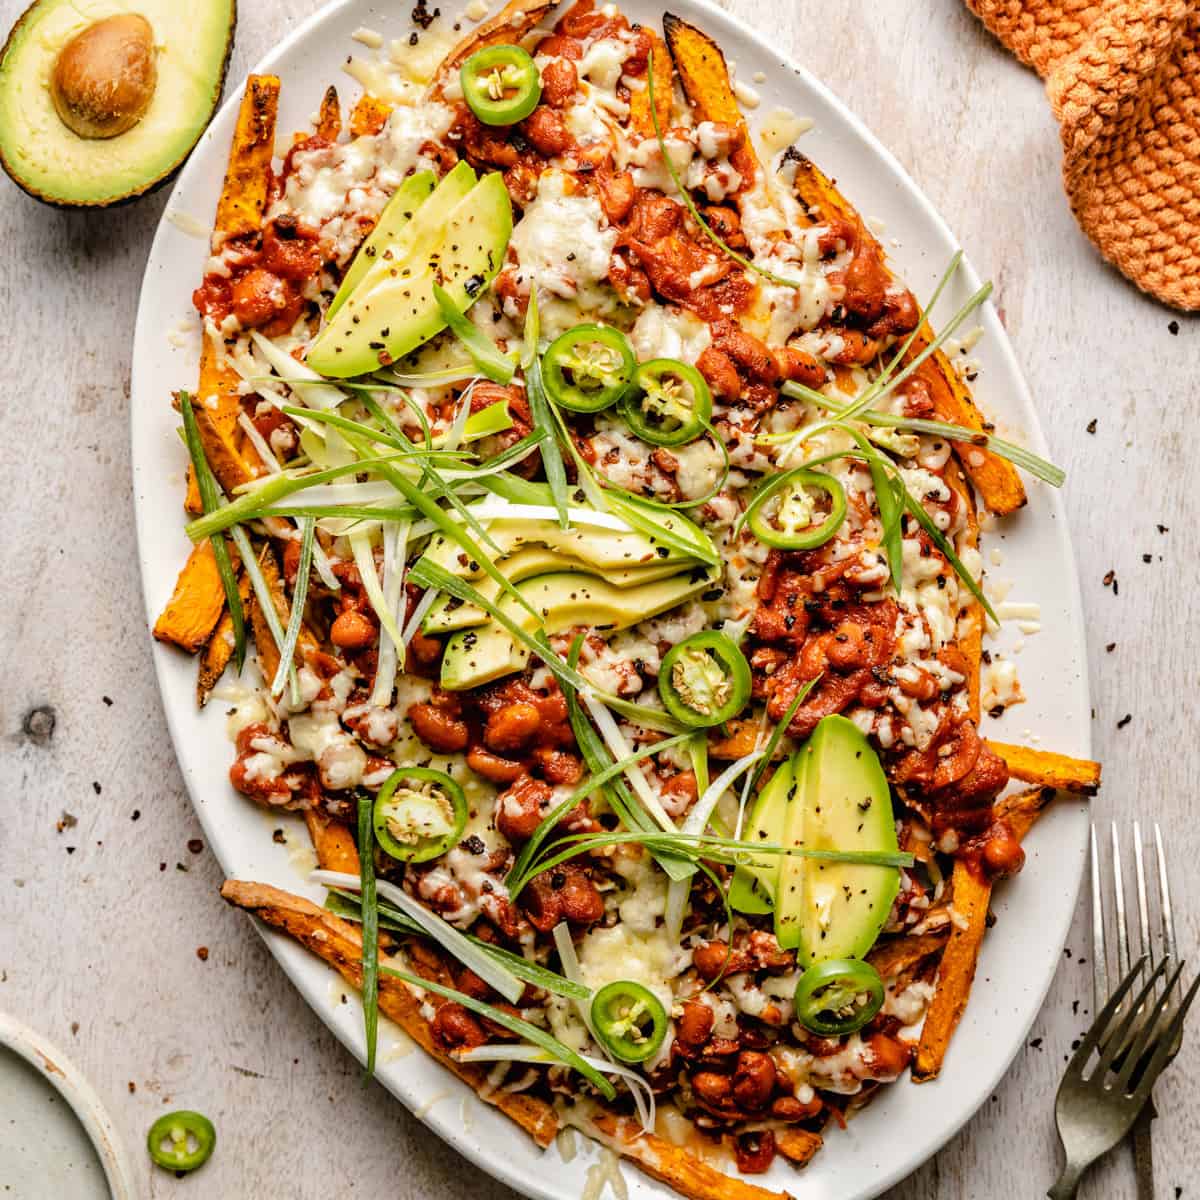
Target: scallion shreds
x,y
370,928
485,354
210,501
452,940
780,730
308,532
532,1033
262,593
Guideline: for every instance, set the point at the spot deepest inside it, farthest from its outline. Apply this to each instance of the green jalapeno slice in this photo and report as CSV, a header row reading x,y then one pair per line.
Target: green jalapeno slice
x,y
669,403
501,84
838,997
588,368
784,513
419,814
704,680
629,1020
181,1141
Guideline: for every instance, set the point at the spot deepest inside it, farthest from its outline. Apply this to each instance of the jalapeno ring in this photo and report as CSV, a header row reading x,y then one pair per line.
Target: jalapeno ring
x,y
838,997
181,1141
500,84
668,404
415,824
782,528
704,680
629,1020
588,368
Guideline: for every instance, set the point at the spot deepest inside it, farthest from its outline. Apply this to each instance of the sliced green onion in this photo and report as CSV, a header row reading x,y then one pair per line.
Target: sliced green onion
x,y
364,560
395,554
454,942
262,592
514,1025
777,734
485,354
370,928
301,378
308,533
210,501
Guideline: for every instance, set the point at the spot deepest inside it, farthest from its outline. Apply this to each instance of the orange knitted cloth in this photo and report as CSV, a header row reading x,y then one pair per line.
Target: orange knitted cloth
x,y
1123,77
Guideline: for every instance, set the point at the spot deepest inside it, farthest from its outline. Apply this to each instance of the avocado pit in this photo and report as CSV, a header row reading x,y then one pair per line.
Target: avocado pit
x,y
104,78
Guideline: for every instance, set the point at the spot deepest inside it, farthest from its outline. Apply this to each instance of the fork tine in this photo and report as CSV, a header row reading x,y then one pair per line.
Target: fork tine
x,y
1139,874
1119,1037
1099,953
1164,896
1103,1019
1166,1043
1149,1024
1119,903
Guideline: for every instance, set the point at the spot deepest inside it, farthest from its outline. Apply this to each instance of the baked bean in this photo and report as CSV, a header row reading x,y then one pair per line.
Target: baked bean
x,y
559,46
352,630
562,893
491,766
788,1108
712,1088
453,1027
1002,853
749,352
557,766
258,296
546,132
439,728
511,727
887,1055
617,194
520,810
753,1079
695,1023
725,223
754,1152
799,365
559,82
710,960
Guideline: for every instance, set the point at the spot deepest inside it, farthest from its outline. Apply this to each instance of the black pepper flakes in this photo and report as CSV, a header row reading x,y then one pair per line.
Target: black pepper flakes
x,y
1124,720
1173,330
1091,425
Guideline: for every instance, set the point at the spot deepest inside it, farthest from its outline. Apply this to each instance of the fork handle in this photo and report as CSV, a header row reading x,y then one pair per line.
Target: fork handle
x,y
1068,1182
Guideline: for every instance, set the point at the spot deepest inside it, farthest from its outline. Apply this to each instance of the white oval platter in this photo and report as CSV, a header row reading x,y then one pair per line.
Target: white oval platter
x,y
904,1125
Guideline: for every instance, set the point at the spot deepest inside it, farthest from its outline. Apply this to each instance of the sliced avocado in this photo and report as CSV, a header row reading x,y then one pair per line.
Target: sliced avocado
x,y
561,600
393,312
604,548
450,614
396,216
100,102
753,887
828,909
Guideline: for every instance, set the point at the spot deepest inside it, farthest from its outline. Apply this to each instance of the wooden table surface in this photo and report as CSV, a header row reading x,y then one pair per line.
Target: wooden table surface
x,y
104,908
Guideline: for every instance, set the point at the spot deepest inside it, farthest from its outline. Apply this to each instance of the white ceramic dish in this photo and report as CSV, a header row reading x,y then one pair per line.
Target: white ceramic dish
x,y
56,1139
905,1125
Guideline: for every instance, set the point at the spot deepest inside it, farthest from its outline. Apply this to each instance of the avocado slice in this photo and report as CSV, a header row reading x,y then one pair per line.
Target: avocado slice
x,y
450,614
396,216
561,600
602,548
825,909
392,310
753,887
170,99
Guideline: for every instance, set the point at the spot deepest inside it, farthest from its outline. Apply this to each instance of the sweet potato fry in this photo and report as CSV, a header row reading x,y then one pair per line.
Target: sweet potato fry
x,y
333,843
894,957
995,479
248,177
706,83
220,648
264,643
510,24
329,120
971,895
664,85
1050,770
740,739
195,605
798,1145
339,943
368,116
674,1166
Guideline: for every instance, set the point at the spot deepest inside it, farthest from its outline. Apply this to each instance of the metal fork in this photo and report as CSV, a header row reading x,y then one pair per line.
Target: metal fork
x,y
1142,1139
1134,1041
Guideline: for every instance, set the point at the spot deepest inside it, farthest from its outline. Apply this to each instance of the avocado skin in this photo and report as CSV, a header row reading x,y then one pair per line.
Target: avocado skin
x,y
151,185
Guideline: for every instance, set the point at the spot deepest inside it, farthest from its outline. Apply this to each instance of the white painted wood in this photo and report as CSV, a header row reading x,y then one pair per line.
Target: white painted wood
x,y
103,919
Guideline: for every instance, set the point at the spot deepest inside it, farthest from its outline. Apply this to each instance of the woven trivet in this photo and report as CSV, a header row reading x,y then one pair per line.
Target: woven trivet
x,y
1123,77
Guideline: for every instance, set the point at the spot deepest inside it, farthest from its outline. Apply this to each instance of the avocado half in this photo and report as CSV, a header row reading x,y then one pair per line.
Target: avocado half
x,y
192,42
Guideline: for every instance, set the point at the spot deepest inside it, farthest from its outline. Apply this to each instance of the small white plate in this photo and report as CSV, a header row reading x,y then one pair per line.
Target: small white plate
x,y
905,1124
55,1137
